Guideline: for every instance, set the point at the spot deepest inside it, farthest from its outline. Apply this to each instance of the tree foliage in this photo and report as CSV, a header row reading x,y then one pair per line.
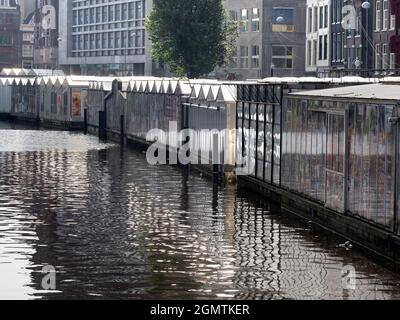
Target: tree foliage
x,y
191,37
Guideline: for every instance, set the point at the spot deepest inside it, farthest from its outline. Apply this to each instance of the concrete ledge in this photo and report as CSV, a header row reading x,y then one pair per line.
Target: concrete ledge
x,y
382,244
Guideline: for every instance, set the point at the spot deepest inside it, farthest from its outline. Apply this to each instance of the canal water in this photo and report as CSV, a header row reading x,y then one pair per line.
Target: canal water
x,y
113,226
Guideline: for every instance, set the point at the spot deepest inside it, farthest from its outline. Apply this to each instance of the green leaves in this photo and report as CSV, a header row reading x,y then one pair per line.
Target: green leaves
x,y
192,37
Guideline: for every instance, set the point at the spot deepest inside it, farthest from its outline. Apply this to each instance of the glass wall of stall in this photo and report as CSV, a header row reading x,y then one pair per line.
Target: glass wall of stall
x,y
258,137
342,155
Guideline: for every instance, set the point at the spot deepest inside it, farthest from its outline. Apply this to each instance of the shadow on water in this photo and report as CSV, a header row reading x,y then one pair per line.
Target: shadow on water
x,y
115,227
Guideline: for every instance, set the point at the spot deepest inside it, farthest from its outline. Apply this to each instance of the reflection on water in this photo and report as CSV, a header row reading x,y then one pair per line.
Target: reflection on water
x,y
115,227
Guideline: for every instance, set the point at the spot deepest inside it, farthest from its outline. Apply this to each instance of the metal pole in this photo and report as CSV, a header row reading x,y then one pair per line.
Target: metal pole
x,y
367,43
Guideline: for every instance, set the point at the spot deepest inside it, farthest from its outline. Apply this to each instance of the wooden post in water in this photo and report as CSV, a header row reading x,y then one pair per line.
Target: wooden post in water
x,y
102,125
215,158
85,121
122,129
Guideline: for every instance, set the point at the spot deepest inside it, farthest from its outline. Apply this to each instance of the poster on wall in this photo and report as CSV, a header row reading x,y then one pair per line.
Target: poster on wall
x,y
76,103
84,98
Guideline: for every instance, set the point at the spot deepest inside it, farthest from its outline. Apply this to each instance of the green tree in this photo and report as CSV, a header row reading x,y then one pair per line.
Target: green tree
x,y
191,37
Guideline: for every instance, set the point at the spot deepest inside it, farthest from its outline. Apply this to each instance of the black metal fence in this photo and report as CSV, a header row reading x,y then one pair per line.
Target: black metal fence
x,y
259,131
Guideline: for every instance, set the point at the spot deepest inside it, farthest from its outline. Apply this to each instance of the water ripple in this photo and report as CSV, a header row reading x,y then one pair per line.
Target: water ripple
x,y
115,227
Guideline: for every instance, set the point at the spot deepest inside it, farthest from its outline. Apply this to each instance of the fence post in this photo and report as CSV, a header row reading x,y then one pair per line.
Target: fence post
x,y
102,125
122,129
85,121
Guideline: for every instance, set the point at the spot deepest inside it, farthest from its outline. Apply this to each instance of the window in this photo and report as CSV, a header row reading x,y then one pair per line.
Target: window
x,y
282,57
385,56
321,17
358,22
255,20
326,47
244,20
358,53
315,53
326,15
385,15
340,46
27,50
309,52
378,59
392,22
255,56
310,20
5,39
315,19
392,61
335,143
378,19
244,57
233,15
27,37
320,47
282,20
334,47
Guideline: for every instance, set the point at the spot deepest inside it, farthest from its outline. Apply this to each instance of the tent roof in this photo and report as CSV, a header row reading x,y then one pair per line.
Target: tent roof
x,y
376,91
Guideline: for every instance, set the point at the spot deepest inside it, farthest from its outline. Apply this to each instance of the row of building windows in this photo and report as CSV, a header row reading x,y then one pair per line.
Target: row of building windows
x,y
4,3
383,58
282,19
244,19
282,57
244,58
337,46
109,13
318,18
383,19
317,49
108,28
110,40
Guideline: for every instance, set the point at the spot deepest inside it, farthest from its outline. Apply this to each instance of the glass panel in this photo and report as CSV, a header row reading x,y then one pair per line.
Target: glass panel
x,y
277,145
246,138
335,162
334,194
260,143
239,133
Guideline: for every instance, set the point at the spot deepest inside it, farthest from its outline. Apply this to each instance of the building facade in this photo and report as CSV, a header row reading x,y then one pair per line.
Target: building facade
x,y
318,49
247,62
106,37
386,40
271,38
285,37
27,30
9,34
46,34
365,37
